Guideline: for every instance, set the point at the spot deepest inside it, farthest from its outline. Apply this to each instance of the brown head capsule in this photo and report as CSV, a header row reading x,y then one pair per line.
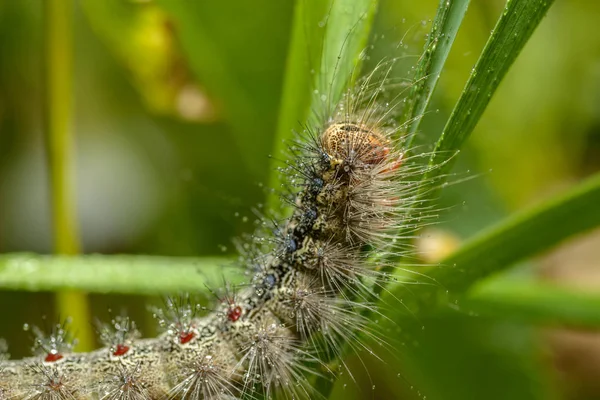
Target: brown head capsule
x,y
348,141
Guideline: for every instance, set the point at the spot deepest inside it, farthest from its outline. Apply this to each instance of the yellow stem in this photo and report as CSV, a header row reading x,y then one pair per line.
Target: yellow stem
x,y
59,148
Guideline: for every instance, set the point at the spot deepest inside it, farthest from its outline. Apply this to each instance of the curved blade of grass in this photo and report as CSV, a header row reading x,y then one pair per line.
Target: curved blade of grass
x,y
348,27
327,40
514,28
114,274
516,238
447,20
535,302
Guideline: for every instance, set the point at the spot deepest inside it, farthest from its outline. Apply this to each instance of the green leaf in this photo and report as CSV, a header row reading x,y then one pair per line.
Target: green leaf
x,y
324,54
534,302
348,27
439,41
514,28
519,237
114,274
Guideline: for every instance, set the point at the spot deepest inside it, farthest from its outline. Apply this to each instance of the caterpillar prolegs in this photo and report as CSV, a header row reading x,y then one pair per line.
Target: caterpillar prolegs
x,y
353,190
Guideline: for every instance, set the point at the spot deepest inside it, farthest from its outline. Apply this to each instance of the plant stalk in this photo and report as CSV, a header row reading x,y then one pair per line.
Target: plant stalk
x,y
58,56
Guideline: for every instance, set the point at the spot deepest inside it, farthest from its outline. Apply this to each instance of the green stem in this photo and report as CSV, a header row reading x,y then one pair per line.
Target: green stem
x,y
131,274
59,141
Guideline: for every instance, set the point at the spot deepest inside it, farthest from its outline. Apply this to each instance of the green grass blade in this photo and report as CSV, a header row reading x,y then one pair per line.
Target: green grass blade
x,y
514,28
114,274
516,238
348,28
439,41
535,302
327,40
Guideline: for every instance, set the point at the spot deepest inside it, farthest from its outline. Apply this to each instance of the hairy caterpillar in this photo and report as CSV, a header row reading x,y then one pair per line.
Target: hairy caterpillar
x,y
353,188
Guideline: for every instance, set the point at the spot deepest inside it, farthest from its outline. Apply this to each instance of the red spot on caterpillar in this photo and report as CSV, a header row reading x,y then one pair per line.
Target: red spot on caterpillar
x,y
234,313
186,337
52,357
120,350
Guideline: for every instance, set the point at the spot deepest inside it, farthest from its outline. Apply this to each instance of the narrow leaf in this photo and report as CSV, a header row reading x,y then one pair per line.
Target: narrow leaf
x,y
427,72
514,28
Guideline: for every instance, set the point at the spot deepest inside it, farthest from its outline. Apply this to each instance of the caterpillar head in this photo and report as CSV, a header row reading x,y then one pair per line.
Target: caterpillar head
x,y
355,144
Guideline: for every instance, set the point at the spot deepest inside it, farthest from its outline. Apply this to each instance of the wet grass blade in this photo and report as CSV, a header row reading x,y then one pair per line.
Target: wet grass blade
x,y
439,41
514,28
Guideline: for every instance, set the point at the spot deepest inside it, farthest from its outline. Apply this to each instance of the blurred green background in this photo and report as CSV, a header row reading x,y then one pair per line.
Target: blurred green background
x,y
175,109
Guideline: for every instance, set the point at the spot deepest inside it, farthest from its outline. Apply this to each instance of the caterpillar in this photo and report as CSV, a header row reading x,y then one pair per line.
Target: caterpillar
x,y
353,188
